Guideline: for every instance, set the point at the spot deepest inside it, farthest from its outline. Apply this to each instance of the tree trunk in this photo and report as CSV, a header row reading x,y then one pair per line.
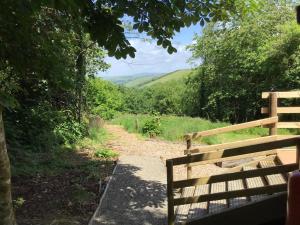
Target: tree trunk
x,y
7,216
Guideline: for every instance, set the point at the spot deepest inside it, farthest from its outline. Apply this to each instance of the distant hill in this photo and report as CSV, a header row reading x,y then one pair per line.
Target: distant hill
x,y
140,81
149,79
131,78
173,76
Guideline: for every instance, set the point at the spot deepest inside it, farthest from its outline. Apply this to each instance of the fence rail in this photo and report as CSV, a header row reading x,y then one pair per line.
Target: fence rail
x,y
269,145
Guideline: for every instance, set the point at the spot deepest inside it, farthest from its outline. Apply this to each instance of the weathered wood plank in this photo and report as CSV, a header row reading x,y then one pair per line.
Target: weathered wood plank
x,y
274,178
282,94
256,213
235,127
235,185
217,205
170,192
254,182
288,125
273,103
235,144
237,157
249,172
232,194
282,110
199,209
182,211
237,151
252,163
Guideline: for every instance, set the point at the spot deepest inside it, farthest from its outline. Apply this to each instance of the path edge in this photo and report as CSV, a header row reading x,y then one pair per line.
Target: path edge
x,y
103,195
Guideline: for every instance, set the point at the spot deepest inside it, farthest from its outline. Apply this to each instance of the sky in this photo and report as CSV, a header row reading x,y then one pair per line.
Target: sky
x,y
151,58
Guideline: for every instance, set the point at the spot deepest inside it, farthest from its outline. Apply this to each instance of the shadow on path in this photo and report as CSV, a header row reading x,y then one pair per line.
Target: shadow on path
x,y
136,194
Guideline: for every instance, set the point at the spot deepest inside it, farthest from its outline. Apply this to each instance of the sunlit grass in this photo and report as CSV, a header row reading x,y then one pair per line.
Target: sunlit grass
x,y
174,128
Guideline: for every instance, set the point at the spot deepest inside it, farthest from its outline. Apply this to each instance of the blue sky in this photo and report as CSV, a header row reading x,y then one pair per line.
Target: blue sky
x,y
151,58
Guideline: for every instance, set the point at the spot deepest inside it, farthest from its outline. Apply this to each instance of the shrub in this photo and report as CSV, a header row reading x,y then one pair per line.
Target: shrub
x,y
70,131
105,153
152,127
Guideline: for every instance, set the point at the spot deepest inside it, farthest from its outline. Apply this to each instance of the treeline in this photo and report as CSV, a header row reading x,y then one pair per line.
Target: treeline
x,y
44,81
240,59
50,65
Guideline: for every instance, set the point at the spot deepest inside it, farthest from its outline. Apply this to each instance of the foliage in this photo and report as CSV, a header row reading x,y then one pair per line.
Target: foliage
x,y
158,95
105,153
103,98
174,127
48,49
241,59
70,131
152,126
178,75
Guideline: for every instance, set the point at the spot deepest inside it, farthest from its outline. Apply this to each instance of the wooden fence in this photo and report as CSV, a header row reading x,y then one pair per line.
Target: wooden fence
x,y
272,123
258,147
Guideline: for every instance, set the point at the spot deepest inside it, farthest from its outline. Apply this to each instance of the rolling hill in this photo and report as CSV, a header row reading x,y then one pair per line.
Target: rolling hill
x,y
173,76
149,79
123,80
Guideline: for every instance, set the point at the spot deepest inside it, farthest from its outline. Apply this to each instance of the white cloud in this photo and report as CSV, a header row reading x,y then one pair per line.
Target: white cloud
x,y
149,58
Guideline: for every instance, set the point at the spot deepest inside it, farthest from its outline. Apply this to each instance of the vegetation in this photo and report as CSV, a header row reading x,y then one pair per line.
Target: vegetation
x,y
140,81
178,76
172,128
51,51
48,49
105,153
241,59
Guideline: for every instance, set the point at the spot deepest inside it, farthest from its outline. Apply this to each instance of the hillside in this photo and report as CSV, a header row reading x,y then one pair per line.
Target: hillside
x,y
173,76
124,80
147,81
140,81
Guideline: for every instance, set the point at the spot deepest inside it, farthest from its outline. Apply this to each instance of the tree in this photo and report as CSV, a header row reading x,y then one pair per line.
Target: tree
x,y
21,42
6,212
242,58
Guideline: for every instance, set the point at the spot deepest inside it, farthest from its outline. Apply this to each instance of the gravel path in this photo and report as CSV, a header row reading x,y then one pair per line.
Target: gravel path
x,y
131,144
137,192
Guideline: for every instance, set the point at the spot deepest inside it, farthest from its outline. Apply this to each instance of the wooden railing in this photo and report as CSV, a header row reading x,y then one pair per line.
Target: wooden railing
x,y
261,147
189,137
274,110
272,123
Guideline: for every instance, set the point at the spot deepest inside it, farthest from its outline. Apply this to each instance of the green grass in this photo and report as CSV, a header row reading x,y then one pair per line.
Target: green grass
x,y
173,128
63,157
176,75
105,153
140,81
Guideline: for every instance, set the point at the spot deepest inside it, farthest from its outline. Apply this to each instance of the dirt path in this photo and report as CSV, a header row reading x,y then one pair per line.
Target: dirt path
x,y
131,144
136,194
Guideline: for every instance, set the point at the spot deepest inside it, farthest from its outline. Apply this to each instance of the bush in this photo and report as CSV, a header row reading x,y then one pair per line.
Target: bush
x,y
152,126
70,131
103,98
106,153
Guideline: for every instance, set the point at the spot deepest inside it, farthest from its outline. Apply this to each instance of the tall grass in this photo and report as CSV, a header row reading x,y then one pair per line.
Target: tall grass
x,y
173,128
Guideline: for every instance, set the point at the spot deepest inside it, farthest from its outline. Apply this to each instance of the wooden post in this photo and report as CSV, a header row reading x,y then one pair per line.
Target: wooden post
x,y
298,154
188,166
273,111
137,127
170,192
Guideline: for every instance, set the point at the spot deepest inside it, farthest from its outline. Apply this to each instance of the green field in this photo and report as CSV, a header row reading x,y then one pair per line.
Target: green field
x,y
173,128
173,76
138,82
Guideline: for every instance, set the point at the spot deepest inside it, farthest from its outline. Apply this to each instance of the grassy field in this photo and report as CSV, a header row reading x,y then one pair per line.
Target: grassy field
x,y
176,75
173,128
138,82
